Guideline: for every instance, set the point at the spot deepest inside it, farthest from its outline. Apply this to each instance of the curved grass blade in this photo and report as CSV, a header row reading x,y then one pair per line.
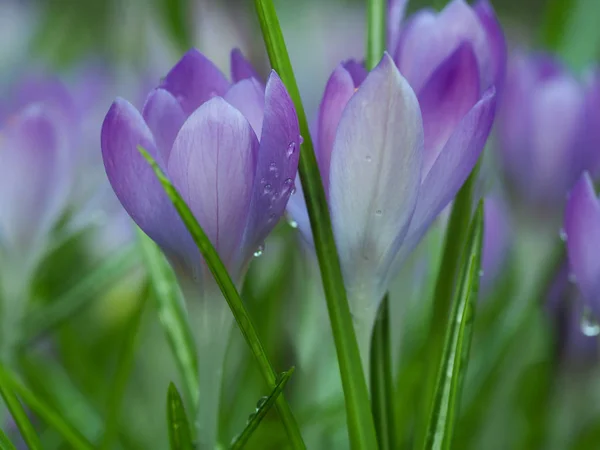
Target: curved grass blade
x,y
45,412
5,443
359,418
382,387
173,317
123,371
240,313
454,361
19,415
78,297
262,408
180,436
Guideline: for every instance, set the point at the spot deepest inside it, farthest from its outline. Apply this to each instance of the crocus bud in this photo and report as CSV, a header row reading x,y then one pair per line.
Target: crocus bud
x,y
420,45
548,129
390,162
582,230
230,149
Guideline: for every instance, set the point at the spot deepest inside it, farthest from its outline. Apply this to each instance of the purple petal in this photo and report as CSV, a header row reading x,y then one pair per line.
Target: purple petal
x,y
496,241
134,181
277,164
296,208
164,117
34,177
454,164
449,95
338,91
241,68
497,45
212,165
375,174
356,70
248,96
429,38
194,80
582,226
395,16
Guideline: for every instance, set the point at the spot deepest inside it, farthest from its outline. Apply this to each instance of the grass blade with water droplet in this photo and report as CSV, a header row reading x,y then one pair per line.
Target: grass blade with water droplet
x,y
180,436
232,296
19,415
262,409
454,361
173,317
71,435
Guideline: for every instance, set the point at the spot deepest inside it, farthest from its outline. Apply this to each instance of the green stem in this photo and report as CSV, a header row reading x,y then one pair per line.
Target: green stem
x,y
382,387
376,26
359,418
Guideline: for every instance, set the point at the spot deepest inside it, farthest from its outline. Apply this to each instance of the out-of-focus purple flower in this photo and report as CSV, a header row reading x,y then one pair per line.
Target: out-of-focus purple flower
x,y
549,126
582,229
391,161
496,241
422,44
230,149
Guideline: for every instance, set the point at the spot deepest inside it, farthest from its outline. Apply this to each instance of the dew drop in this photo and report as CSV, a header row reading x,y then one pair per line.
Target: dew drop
x,y
261,402
268,188
563,235
259,251
271,217
292,223
301,140
251,417
379,212
263,180
589,324
291,149
368,158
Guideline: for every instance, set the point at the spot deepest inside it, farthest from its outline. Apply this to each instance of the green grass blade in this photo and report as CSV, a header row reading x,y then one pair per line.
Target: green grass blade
x,y
454,361
240,313
376,31
173,317
111,270
5,443
382,386
19,415
262,408
180,436
123,371
44,412
359,417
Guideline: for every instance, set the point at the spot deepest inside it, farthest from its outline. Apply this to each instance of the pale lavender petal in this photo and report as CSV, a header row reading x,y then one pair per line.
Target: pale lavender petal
x,y
212,165
395,16
34,177
429,38
164,117
375,174
276,166
582,228
248,96
296,208
497,45
241,67
194,80
356,70
496,241
451,92
338,91
454,164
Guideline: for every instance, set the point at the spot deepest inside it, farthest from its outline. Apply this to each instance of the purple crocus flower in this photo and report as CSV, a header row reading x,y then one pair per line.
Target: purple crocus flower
x,y
496,241
582,229
231,150
391,160
548,128
424,42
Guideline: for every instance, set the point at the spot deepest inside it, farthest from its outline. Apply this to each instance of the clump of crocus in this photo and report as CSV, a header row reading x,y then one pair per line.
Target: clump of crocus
x,y
548,129
231,150
391,160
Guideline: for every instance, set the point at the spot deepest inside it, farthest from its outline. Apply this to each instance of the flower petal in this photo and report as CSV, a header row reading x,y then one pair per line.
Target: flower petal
x,y
447,97
339,89
241,67
375,174
276,166
134,181
582,227
356,70
194,80
212,165
454,164
164,117
248,96
497,45
395,16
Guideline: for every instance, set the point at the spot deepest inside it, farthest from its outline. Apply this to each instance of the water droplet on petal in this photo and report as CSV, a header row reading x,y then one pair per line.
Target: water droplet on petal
x,y
271,217
292,223
259,251
379,212
301,140
563,235
268,188
368,158
291,149
589,324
